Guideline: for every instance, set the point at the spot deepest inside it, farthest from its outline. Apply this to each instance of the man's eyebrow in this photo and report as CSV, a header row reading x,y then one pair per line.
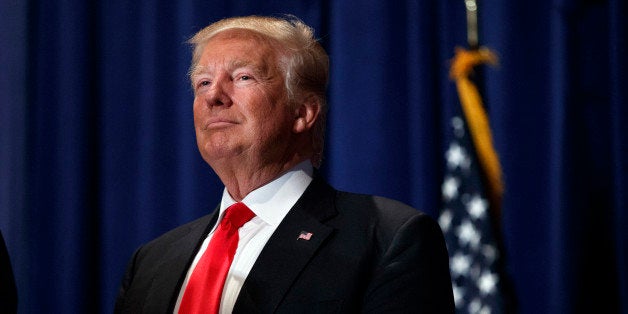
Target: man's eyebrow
x,y
237,64
199,69
233,65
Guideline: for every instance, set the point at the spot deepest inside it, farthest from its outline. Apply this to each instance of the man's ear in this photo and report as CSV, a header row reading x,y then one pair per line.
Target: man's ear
x,y
306,114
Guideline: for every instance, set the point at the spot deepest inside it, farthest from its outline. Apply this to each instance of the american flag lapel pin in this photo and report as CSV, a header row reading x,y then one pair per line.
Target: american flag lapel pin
x,y
304,235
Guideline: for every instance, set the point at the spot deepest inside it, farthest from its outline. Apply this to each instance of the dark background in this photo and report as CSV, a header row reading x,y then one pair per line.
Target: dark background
x,y
98,155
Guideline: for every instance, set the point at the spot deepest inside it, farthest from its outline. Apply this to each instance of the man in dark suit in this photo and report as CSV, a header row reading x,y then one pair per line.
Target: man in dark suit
x,y
259,113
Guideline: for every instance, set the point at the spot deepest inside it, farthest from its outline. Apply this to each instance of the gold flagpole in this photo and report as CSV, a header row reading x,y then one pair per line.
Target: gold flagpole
x,y
472,106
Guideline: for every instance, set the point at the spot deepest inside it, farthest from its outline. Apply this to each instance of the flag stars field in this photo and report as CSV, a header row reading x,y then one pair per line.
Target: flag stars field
x,y
465,222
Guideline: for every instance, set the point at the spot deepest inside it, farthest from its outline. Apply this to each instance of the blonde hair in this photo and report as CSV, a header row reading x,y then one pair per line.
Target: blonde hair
x,y
304,61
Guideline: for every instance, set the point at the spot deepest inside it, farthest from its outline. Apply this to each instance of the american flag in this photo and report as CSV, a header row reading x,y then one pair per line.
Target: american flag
x,y
304,235
466,223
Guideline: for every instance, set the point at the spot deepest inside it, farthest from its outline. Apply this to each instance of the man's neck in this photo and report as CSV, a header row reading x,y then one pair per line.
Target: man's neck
x,y
240,180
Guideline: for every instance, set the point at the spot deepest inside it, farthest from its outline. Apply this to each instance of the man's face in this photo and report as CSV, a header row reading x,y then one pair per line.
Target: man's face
x,y
240,101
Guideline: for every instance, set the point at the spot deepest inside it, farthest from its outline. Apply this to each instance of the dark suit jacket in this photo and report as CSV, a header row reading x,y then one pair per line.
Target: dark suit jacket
x,y
366,254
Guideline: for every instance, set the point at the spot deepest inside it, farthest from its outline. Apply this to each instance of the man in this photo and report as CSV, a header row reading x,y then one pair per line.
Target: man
x,y
259,111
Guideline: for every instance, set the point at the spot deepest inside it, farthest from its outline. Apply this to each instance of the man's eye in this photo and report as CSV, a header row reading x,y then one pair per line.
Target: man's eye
x,y
245,77
203,83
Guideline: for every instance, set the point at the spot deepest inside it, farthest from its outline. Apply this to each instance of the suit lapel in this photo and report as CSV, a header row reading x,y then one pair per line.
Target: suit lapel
x,y
176,261
285,255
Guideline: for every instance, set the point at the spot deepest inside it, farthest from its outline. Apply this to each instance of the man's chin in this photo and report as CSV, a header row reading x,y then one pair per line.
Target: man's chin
x,y
219,152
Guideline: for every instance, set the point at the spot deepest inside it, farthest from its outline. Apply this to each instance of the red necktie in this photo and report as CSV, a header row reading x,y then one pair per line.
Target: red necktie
x,y
204,289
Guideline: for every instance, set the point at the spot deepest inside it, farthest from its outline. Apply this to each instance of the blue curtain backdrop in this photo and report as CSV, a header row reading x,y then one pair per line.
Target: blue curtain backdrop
x,y
97,148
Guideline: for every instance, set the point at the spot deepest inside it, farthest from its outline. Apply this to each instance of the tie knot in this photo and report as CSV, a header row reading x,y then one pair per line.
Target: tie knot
x,y
238,214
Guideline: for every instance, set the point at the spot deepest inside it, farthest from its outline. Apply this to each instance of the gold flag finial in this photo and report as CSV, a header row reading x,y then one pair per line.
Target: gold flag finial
x,y
472,23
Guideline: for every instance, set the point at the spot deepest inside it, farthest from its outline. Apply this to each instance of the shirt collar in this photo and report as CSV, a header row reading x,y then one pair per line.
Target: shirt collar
x,y
271,202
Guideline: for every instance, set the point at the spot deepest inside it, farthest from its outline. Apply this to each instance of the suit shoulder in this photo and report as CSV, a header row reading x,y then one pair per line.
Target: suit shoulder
x,y
197,226
376,207
384,216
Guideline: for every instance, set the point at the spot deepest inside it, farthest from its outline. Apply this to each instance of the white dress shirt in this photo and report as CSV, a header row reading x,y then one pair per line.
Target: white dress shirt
x,y
271,204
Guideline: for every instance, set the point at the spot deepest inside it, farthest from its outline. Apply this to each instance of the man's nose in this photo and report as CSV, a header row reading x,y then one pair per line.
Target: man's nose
x,y
219,93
